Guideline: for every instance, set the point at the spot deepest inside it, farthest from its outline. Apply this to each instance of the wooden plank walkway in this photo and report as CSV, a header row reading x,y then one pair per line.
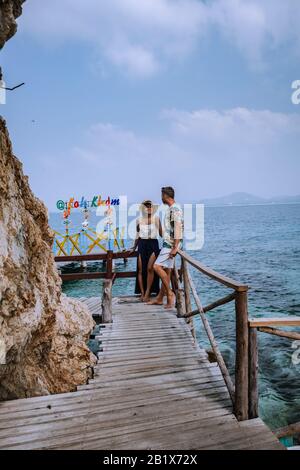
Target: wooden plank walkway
x,y
152,389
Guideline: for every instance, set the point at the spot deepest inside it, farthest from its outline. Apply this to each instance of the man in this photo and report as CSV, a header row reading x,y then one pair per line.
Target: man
x,y
172,240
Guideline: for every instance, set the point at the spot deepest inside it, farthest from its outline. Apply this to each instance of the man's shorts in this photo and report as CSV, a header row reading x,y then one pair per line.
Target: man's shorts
x,y
164,259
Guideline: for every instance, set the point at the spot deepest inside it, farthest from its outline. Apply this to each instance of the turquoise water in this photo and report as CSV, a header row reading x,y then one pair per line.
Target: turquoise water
x,y
259,245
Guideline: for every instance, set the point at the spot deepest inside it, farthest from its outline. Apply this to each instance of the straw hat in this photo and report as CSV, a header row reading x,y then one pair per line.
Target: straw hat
x,y
147,201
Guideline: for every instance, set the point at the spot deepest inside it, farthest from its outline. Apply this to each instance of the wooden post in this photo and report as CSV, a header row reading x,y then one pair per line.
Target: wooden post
x,y
107,301
187,295
109,265
253,374
241,363
174,283
179,294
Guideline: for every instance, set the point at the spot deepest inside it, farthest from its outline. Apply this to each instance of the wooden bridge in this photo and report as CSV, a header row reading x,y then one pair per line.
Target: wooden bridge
x,y
153,386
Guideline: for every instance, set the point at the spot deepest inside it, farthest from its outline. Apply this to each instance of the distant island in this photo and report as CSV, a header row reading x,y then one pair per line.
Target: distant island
x,y
241,198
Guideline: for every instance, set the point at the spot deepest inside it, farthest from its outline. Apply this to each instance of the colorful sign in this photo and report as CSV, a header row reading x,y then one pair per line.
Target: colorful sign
x,y
84,203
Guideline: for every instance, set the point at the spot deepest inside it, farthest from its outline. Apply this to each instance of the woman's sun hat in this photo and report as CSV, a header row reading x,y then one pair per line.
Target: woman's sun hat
x,y
148,203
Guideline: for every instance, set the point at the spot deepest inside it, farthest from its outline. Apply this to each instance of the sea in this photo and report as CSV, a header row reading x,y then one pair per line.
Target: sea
x,y
258,245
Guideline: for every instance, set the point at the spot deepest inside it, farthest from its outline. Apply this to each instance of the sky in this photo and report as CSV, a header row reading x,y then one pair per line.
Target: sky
x,y
125,96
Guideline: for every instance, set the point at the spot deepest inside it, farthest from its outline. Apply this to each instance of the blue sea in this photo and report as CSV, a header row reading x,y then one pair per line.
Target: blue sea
x,y
260,246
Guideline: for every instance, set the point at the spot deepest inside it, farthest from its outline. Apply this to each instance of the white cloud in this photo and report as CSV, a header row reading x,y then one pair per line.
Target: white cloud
x,y
139,36
134,59
251,127
255,26
109,147
203,153
243,23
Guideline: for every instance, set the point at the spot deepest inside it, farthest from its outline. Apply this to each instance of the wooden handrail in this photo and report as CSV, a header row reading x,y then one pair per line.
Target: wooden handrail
x,y
288,431
212,341
212,306
73,258
80,276
276,332
283,321
263,325
108,274
125,254
227,281
95,256
96,275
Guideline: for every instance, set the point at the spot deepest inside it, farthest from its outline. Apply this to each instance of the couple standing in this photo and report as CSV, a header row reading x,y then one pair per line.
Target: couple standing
x,y
154,264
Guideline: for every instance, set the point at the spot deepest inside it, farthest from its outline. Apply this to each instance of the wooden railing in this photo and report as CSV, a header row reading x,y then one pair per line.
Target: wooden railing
x,y
239,391
108,258
265,325
288,431
109,276
244,392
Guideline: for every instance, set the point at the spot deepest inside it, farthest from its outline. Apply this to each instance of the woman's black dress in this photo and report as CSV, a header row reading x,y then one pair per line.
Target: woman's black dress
x,y
147,246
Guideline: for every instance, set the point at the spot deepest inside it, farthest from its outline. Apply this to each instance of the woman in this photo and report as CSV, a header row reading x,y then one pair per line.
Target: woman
x,y
148,229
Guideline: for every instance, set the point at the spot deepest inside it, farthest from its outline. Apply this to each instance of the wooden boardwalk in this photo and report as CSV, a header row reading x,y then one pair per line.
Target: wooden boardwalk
x,y
153,389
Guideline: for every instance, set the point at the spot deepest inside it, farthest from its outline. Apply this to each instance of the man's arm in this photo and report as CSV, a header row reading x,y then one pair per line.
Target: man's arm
x,y
173,252
177,236
160,230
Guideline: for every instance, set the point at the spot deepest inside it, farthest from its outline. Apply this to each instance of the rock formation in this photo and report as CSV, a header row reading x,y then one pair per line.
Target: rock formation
x,y
9,11
43,334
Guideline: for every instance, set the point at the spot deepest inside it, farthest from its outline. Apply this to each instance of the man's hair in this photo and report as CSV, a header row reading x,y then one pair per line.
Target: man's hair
x,y
168,191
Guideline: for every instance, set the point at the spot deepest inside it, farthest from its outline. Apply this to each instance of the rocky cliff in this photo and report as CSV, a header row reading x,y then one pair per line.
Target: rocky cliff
x,y
43,334
9,11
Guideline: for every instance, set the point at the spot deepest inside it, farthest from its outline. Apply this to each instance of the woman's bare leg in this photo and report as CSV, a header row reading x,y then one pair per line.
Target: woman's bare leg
x,y
140,277
150,276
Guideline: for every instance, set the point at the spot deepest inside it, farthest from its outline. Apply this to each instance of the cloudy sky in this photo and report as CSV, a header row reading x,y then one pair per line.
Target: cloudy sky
x,y
124,96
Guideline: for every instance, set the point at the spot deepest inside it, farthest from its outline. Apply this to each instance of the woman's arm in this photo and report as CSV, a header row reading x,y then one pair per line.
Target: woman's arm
x,y
137,236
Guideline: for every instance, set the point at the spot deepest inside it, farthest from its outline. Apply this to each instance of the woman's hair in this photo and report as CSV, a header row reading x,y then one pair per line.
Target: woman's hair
x,y
168,191
147,203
